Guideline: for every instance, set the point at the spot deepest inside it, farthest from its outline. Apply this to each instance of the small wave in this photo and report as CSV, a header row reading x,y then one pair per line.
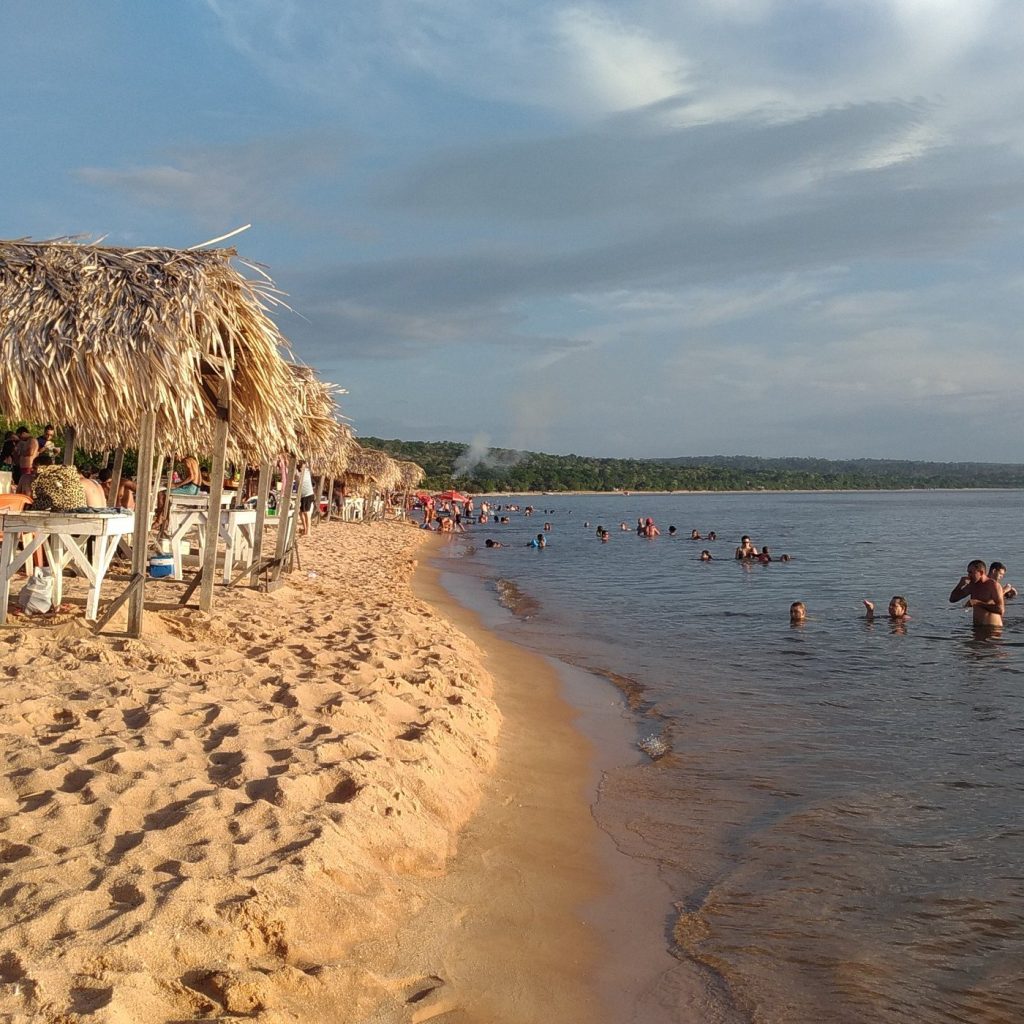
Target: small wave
x,y
655,746
520,604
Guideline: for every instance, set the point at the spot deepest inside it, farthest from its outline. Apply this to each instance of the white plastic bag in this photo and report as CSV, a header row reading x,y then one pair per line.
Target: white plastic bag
x,y
36,597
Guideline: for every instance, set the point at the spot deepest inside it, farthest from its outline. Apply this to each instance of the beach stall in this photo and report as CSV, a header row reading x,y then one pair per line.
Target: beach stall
x,y
331,467
410,477
155,348
317,427
373,475
314,407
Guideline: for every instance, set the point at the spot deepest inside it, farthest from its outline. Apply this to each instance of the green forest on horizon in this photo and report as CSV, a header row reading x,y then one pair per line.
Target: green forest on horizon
x,y
448,464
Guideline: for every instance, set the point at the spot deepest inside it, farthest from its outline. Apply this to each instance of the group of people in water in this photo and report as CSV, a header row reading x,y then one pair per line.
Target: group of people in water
x,y
981,587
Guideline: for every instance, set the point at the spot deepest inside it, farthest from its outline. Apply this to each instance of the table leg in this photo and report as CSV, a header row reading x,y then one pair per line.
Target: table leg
x,y
247,537
55,554
176,556
6,553
100,546
229,552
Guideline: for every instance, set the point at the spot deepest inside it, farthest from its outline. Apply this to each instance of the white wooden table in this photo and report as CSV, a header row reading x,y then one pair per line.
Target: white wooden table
x,y
236,530
63,536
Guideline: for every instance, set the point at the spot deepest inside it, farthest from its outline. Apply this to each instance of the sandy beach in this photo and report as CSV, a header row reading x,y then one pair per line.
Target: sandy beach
x,y
256,813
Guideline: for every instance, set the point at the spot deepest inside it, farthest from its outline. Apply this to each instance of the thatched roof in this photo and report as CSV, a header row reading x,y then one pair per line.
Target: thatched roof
x,y
410,475
375,465
95,336
315,409
334,461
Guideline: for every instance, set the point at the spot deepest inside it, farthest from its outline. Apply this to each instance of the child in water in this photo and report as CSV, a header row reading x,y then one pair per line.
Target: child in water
x,y
797,613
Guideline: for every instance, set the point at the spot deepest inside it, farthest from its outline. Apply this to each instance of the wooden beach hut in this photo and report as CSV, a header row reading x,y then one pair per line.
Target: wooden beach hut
x,y
316,440
410,476
373,473
331,466
153,347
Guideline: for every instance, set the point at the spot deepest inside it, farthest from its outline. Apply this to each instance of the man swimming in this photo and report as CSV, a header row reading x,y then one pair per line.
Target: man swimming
x,y
984,595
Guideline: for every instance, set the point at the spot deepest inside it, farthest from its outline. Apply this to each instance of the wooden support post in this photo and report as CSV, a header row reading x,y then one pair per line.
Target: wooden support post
x,y
262,494
318,490
115,477
111,610
68,457
330,498
284,508
143,495
197,578
220,453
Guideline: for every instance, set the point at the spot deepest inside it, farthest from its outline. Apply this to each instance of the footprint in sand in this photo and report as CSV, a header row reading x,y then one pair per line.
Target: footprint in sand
x,y
135,718
76,780
225,766
217,736
126,896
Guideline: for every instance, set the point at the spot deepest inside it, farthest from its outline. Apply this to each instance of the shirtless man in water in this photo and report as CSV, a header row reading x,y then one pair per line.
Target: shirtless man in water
x,y
984,595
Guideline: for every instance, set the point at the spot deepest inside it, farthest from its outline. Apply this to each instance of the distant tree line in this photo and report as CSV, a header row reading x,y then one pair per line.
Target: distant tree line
x,y
504,469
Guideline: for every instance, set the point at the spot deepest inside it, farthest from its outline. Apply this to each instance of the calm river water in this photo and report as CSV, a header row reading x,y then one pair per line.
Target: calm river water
x,y
840,813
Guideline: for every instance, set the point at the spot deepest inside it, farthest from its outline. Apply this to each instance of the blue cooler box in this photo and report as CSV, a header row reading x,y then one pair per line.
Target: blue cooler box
x,y
161,566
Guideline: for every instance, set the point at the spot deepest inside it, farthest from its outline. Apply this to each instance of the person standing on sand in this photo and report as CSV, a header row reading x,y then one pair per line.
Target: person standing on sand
x,y
984,595
306,496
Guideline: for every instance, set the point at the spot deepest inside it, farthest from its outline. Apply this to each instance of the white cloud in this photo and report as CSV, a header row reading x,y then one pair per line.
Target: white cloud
x,y
623,66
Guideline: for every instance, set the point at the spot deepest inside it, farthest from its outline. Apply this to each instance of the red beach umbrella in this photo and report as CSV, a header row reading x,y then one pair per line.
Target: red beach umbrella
x,y
451,496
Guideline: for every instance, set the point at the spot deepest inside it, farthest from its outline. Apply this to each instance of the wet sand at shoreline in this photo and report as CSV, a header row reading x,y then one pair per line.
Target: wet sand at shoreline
x,y
254,812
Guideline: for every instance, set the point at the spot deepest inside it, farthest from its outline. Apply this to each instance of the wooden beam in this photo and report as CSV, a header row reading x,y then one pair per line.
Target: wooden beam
x,y
197,578
284,509
68,457
143,497
262,493
318,490
115,476
330,498
111,610
220,452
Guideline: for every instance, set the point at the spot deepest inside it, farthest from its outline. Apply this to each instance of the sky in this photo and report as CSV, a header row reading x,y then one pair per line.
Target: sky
x,y
634,228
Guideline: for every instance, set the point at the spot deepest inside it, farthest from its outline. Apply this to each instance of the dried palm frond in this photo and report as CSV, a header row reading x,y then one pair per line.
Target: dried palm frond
x,y
334,459
93,336
315,409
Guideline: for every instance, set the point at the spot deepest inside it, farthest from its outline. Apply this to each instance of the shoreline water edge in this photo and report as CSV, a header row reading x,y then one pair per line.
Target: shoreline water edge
x,y
343,801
